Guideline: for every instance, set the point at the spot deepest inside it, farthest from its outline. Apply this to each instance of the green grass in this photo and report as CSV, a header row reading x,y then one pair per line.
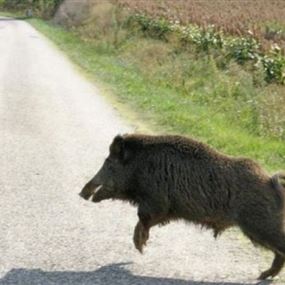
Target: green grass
x,y
161,106
4,13
16,14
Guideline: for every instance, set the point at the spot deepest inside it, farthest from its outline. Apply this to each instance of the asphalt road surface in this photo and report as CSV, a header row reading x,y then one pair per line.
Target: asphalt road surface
x,y
55,129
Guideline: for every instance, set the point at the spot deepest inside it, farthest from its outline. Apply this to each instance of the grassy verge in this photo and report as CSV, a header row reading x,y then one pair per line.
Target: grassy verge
x,y
17,15
160,105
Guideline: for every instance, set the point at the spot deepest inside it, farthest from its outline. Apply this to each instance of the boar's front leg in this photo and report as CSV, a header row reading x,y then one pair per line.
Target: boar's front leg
x,y
141,235
146,221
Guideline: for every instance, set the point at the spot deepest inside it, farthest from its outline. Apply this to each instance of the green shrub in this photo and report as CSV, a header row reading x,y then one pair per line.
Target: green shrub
x,y
151,27
274,65
240,49
44,8
205,39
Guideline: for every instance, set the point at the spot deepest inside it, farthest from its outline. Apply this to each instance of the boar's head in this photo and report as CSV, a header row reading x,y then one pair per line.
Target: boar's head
x,y
113,179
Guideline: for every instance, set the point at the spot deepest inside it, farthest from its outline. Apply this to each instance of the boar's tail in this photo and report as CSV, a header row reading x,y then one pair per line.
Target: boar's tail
x,y
278,181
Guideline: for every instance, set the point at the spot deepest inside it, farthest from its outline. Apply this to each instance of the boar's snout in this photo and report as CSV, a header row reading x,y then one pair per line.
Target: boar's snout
x,y
88,190
101,193
93,185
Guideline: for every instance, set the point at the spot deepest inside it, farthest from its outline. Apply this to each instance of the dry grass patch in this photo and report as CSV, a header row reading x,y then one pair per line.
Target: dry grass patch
x,y
262,18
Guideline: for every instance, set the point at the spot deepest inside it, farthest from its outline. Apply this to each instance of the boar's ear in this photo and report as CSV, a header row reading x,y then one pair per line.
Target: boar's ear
x,y
117,146
119,149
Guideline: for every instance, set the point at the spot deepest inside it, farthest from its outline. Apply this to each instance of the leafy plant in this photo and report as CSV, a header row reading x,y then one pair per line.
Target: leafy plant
x,y
154,28
240,49
274,65
45,8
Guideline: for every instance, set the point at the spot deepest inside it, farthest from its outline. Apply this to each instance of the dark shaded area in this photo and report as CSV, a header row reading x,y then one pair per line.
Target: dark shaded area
x,y
41,8
113,274
14,18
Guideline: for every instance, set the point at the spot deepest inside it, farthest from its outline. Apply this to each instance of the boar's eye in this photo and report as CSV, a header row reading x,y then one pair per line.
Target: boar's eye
x,y
111,159
111,162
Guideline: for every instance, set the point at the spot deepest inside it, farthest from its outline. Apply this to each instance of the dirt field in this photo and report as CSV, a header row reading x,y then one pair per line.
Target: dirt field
x,y
264,19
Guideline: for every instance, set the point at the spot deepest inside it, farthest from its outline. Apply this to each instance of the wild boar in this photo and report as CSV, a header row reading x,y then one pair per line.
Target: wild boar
x,y
173,177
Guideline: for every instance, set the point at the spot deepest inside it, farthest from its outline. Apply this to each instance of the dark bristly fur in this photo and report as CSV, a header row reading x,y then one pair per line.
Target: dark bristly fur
x,y
173,177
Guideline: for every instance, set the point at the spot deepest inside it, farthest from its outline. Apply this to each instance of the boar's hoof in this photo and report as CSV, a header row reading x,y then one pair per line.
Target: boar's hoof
x,y
141,236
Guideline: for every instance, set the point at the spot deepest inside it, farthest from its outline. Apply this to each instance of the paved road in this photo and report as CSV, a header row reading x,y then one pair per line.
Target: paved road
x,y
55,129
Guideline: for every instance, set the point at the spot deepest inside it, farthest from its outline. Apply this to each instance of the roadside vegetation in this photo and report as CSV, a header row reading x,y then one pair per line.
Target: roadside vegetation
x,y
184,77
262,19
40,8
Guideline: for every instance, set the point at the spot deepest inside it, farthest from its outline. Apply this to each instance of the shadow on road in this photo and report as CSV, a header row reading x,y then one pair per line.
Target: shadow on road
x,y
113,274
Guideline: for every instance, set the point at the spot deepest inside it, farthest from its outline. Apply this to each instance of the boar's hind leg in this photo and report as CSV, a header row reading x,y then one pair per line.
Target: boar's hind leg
x,y
275,268
269,235
277,245
146,221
